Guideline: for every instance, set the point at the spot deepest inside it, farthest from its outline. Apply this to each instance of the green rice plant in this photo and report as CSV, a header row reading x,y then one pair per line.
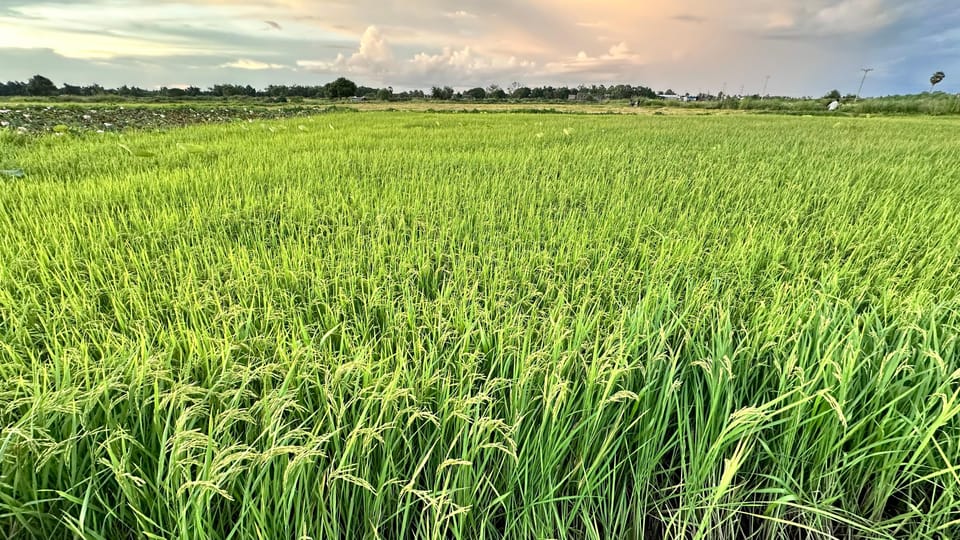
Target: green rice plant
x,y
415,325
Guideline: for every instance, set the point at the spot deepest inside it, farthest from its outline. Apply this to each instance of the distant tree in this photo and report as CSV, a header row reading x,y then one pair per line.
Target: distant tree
x,y
521,93
222,90
645,92
475,93
495,92
341,88
441,93
94,90
621,91
71,90
936,79
385,94
41,86
275,90
134,91
833,94
173,92
335,89
13,88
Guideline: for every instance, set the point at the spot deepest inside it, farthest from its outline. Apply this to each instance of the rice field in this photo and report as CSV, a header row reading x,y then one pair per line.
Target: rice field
x,y
387,325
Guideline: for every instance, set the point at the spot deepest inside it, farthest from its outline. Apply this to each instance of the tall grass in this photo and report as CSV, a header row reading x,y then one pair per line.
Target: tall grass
x,y
409,325
934,104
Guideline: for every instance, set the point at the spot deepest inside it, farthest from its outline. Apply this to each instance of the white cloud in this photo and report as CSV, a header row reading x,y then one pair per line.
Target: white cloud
x,y
466,61
254,65
374,50
461,65
620,50
14,34
460,59
618,56
374,55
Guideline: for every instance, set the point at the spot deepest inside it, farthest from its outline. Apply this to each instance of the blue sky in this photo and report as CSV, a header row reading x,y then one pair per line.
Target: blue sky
x,y
807,47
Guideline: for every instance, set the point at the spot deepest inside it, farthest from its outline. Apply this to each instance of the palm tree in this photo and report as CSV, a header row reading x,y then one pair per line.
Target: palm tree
x,y
935,79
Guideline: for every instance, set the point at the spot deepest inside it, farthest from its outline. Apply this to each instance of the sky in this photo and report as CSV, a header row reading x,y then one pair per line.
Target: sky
x,y
806,47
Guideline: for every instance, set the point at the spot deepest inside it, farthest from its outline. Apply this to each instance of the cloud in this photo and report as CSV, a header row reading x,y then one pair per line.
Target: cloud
x,y
253,65
374,50
461,14
467,61
105,29
462,66
689,18
273,24
857,15
780,21
374,55
618,57
817,19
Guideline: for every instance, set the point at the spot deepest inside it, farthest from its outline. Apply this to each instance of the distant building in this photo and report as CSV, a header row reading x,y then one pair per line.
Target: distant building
x,y
675,97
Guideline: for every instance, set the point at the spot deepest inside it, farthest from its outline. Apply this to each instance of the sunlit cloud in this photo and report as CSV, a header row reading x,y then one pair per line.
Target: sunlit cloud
x,y
373,55
246,63
92,46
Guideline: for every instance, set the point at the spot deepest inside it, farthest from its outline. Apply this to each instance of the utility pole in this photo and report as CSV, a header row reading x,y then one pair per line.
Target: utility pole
x,y
763,93
865,71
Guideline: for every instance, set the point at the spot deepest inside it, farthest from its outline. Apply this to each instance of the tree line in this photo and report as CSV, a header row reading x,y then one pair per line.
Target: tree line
x,y
40,86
